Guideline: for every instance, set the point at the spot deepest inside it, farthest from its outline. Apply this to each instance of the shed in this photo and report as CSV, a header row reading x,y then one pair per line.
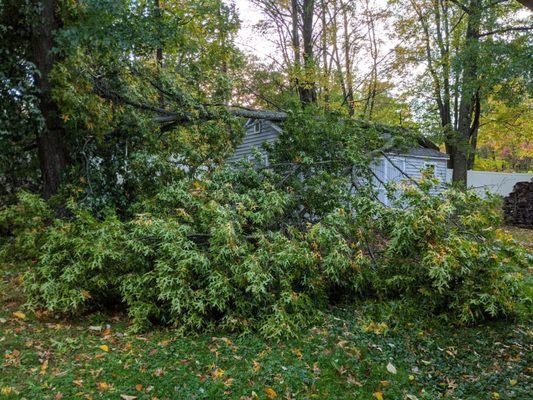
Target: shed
x,y
394,167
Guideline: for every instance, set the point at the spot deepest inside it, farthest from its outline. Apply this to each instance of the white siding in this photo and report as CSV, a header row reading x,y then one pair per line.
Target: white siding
x,y
397,168
394,169
252,140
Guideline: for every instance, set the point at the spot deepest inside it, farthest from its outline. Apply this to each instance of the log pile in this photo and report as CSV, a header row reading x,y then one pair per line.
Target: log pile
x,y
518,206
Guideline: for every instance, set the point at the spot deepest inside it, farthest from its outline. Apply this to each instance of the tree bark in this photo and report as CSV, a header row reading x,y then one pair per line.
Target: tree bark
x,y
51,138
307,85
348,65
469,88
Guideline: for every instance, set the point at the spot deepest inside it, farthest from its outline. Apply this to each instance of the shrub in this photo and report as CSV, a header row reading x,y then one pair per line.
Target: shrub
x,y
447,253
202,255
224,252
22,230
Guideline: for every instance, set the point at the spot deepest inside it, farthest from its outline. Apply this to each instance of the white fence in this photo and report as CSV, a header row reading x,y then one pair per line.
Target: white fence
x,y
494,182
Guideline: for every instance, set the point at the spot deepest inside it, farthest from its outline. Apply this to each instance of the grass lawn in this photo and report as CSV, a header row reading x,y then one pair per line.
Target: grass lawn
x,y
350,355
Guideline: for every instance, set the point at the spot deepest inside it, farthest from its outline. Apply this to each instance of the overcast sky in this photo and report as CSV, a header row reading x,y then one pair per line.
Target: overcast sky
x,y
248,40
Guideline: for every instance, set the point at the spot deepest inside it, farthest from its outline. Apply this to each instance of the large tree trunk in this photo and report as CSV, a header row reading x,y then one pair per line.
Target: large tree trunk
x,y
469,88
308,86
51,139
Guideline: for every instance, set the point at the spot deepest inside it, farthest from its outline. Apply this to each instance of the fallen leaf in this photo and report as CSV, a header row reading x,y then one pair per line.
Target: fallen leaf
x,y
411,397
271,393
104,347
218,372
58,396
102,386
95,328
378,395
513,382
44,366
391,368
138,387
19,315
126,397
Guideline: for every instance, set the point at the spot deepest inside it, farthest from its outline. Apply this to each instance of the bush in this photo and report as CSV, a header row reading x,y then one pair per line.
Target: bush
x,y
22,230
448,255
224,252
200,256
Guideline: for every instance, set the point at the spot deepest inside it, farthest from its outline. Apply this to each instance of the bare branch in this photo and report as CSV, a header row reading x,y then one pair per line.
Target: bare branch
x,y
508,29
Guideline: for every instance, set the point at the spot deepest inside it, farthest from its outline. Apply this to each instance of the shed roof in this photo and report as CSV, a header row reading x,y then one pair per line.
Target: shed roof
x,y
427,147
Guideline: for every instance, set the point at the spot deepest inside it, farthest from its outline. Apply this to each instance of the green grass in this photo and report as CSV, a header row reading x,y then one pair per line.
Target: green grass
x,y
522,235
345,357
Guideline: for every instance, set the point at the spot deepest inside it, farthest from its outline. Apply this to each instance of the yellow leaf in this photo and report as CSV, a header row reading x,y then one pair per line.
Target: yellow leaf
x,y
102,386
256,366
19,315
138,387
104,347
85,294
44,366
271,393
6,390
378,395
218,372
411,377
513,382
297,353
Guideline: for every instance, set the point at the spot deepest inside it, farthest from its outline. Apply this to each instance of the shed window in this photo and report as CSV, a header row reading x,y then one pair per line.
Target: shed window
x,y
257,126
429,170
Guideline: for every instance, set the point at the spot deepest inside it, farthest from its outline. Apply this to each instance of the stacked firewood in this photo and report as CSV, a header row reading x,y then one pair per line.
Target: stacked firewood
x,y
518,206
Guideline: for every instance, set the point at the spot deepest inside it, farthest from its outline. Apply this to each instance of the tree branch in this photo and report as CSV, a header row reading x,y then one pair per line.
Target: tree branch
x,y
508,29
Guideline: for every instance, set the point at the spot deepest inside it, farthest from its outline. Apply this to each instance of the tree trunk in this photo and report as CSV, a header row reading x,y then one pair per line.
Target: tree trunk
x,y
307,85
347,61
51,139
469,88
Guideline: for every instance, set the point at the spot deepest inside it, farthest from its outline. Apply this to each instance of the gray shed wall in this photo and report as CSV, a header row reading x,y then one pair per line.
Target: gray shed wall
x,y
412,163
268,134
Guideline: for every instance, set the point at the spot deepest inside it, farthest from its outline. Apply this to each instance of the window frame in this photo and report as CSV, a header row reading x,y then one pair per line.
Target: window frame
x,y
258,126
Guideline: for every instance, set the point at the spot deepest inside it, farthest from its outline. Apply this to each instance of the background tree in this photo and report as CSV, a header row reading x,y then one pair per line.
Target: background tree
x,y
469,49
92,76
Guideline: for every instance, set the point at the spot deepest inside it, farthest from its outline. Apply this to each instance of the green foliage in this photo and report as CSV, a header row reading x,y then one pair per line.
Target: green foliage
x,y
201,255
226,252
23,230
447,255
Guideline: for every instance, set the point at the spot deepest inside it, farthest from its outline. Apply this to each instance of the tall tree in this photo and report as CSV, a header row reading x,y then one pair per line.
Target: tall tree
x,y
87,70
51,137
468,48
294,23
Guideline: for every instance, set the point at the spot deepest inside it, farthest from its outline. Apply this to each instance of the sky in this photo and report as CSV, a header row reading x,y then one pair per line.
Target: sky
x,y
248,40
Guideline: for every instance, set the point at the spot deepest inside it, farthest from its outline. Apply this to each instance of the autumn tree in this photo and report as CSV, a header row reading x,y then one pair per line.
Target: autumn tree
x,y
468,49
89,79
